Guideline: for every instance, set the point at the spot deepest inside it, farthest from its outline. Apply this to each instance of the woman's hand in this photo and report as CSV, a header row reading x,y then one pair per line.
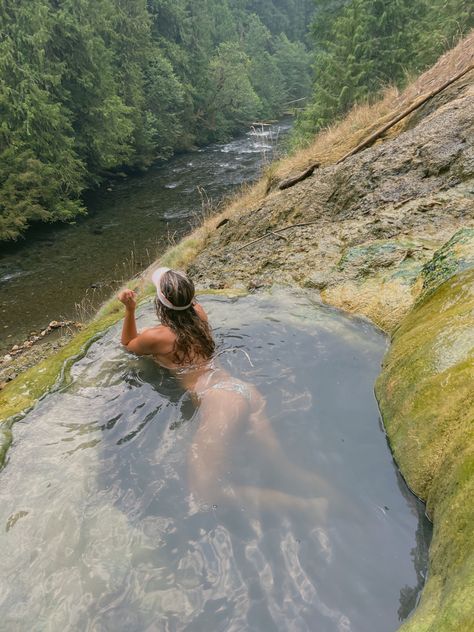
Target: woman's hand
x,y
128,298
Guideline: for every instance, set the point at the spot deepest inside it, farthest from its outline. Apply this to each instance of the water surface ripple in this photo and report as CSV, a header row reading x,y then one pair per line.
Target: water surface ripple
x,y
100,531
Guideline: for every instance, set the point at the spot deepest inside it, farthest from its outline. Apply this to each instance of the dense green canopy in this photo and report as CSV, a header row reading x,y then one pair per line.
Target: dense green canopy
x,y
92,86
89,87
363,45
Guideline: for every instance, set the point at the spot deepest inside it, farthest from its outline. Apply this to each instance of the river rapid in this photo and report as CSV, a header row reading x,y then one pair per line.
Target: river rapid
x,y
65,271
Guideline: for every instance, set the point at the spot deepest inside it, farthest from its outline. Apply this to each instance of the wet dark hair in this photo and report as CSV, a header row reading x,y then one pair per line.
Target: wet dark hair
x,y
193,335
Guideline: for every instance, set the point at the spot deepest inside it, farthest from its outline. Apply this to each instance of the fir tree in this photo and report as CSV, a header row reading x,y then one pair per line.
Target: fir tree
x,y
363,45
91,86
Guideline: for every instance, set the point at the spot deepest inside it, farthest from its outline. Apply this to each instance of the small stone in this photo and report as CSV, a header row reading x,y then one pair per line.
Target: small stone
x,y
317,280
223,222
217,285
7,358
255,284
15,348
54,324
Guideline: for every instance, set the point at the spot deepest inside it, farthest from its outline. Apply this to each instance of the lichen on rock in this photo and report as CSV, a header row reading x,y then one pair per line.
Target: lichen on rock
x,y
454,256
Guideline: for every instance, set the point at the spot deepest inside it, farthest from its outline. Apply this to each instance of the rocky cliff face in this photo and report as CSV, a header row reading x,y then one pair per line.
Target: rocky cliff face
x,y
376,219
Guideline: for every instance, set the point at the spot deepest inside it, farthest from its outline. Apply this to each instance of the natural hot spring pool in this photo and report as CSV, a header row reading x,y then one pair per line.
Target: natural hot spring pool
x,y
100,531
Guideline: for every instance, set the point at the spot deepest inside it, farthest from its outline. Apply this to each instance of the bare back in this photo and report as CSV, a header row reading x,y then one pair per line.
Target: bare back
x,y
160,342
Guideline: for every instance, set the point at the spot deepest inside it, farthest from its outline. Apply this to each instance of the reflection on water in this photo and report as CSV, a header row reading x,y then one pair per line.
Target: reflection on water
x,y
100,530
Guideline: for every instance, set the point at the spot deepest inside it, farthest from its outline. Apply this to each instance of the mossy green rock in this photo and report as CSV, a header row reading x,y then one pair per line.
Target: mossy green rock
x,y
454,256
426,395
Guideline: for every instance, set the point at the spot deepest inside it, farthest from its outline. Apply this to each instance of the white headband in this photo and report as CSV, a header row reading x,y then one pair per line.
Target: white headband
x,y
156,278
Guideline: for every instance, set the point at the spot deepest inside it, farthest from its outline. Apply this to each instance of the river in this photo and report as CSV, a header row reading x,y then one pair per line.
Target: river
x,y
65,271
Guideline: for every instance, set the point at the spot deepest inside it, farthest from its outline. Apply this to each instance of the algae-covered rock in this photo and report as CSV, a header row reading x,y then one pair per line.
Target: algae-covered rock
x,y
5,441
364,259
426,397
454,256
379,279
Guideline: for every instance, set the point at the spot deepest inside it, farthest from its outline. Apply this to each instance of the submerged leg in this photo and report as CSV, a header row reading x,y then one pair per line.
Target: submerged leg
x,y
223,413
266,499
262,430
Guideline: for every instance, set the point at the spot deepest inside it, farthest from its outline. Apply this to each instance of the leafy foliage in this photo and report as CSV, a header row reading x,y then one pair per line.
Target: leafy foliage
x,y
363,45
91,86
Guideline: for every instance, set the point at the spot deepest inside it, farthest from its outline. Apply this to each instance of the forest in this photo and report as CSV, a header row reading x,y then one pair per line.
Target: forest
x,y
92,87
362,46
89,87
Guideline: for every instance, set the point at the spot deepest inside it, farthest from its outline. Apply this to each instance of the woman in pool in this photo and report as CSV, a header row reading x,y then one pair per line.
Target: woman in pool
x,y
183,343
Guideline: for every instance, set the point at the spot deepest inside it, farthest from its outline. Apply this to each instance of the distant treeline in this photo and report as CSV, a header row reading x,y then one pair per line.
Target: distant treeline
x,y
363,45
91,86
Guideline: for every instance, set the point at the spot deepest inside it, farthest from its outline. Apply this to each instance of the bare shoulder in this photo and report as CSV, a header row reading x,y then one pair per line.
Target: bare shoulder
x,y
154,340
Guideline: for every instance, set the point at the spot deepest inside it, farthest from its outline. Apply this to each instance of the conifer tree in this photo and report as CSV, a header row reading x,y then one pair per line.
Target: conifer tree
x,y
363,45
88,87
41,174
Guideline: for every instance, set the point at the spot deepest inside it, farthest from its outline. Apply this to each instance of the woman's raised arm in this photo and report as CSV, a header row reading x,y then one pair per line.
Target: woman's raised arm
x,y
145,343
129,329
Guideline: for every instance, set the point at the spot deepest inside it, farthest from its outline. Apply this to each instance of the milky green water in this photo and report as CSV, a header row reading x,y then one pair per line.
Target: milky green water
x,y
100,530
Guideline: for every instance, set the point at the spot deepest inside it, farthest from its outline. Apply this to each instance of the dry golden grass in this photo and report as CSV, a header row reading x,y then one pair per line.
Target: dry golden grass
x,y
334,142
448,65
247,197
328,147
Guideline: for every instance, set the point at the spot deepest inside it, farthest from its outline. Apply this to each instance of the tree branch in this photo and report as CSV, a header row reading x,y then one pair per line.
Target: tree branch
x,y
274,232
414,106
